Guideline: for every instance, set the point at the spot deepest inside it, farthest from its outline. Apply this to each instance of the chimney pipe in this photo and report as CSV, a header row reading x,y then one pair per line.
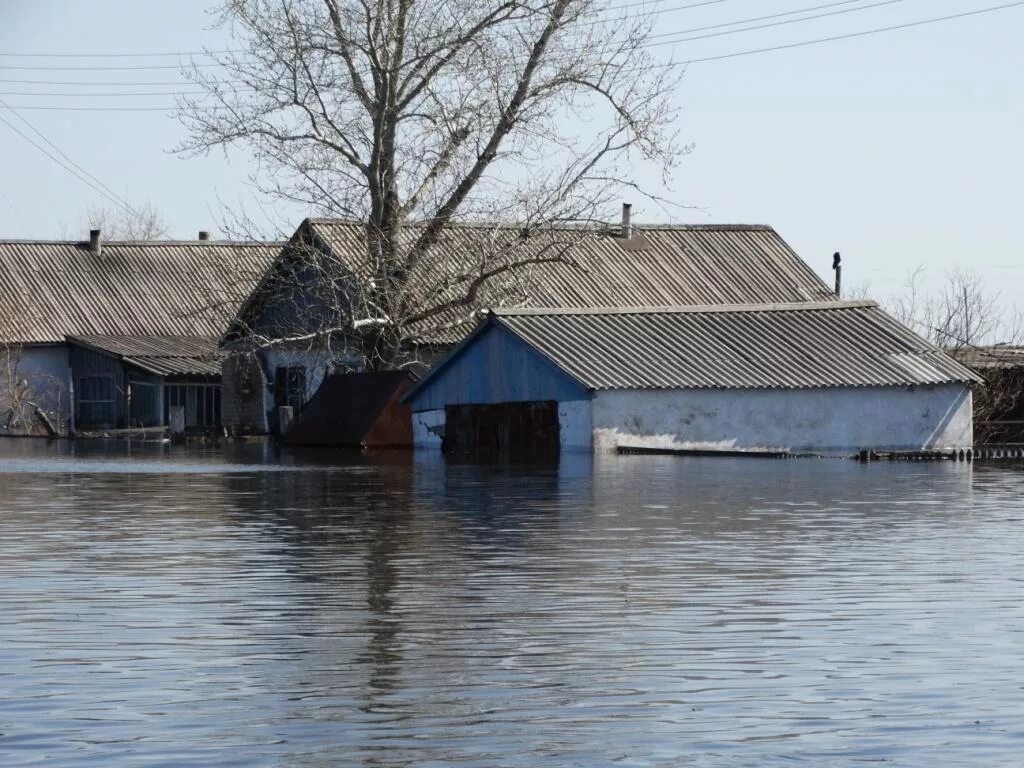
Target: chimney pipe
x,y
837,266
95,241
204,235
627,226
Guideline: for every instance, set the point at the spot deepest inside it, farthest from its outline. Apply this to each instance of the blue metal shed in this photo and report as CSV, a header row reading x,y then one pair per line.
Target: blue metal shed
x,y
495,390
826,377
494,365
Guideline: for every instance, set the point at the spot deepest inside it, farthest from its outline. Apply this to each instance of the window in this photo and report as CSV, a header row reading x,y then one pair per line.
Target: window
x,y
290,386
96,406
201,402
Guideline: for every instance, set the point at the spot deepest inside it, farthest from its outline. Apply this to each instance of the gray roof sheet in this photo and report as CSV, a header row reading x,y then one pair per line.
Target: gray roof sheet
x,y
660,265
52,289
787,346
162,355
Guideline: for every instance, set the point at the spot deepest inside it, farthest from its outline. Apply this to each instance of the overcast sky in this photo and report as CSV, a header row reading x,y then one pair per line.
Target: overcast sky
x,y
899,149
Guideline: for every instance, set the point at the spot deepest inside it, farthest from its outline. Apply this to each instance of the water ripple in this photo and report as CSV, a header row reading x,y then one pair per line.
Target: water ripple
x,y
638,612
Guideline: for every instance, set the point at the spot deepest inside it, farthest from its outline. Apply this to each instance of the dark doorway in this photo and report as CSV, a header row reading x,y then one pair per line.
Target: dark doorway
x,y
143,410
290,386
520,432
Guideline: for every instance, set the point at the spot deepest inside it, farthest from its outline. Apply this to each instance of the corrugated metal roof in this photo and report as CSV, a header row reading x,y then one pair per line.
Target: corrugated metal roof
x,y
787,346
990,357
685,264
663,265
162,355
51,289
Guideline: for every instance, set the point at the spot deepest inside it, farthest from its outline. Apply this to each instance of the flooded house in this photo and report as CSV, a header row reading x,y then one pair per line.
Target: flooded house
x,y
831,378
283,342
135,381
110,334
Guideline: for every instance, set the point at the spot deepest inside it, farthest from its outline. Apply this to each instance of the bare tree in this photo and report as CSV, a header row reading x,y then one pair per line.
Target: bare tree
x,y
30,403
963,313
968,320
142,222
409,115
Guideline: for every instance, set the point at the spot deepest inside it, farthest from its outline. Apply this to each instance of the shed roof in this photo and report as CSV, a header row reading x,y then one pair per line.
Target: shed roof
x,y
768,346
50,289
1002,356
659,265
347,406
161,355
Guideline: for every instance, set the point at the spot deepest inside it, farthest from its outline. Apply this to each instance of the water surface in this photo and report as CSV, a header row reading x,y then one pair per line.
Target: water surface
x,y
174,607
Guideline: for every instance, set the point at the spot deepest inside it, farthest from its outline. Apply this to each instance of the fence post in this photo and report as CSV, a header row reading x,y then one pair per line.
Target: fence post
x,y
176,414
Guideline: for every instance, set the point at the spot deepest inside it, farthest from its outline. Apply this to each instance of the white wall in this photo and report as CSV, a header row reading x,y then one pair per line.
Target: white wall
x,y
820,420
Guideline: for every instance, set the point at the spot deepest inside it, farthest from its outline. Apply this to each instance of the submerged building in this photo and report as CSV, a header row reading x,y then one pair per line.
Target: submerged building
x,y
109,334
832,377
281,352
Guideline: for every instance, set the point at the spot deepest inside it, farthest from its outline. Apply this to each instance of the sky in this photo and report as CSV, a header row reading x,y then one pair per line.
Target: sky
x,y
899,149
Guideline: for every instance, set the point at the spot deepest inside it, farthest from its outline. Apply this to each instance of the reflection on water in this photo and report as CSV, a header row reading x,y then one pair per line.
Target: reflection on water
x,y
190,607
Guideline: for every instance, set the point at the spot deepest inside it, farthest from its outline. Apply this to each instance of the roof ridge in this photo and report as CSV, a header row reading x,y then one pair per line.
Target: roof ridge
x,y
596,225
137,243
803,306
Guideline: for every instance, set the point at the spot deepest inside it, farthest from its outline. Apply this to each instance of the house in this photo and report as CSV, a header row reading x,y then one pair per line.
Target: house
x,y
91,320
999,402
134,381
824,377
357,410
280,357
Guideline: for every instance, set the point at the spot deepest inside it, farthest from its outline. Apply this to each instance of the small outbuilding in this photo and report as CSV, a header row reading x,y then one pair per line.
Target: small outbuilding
x,y
120,382
357,410
823,377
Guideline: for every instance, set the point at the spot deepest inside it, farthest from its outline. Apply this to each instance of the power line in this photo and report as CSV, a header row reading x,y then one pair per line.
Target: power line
x,y
102,83
655,2
102,188
778,16
701,60
167,54
157,55
852,35
104,68
116,94
673,35
57,160
48,108
215,64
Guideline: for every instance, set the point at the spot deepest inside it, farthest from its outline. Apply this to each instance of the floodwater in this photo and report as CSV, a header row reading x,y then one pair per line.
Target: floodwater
x,y
179,607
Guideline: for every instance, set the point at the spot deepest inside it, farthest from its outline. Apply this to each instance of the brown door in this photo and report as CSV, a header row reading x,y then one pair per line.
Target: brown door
x,y
503,431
